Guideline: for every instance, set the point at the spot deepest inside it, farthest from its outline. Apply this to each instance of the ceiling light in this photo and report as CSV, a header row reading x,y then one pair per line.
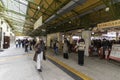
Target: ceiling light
x,y
107,9
38,7
92,32
31,19
69,21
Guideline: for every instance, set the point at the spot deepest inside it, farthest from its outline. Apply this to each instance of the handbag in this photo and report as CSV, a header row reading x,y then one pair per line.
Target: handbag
x,y
38,51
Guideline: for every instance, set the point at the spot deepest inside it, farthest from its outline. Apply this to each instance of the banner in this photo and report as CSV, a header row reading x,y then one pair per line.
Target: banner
x,y
109,24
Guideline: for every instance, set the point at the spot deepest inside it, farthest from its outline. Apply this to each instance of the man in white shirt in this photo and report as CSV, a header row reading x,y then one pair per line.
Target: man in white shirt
x,y
81,48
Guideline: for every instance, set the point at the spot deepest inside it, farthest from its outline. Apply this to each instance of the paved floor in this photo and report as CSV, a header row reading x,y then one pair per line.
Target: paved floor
x,y
94,67
15,64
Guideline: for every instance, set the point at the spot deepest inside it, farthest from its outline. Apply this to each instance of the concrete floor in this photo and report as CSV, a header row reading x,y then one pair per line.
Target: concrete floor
x,y
15,64
94,67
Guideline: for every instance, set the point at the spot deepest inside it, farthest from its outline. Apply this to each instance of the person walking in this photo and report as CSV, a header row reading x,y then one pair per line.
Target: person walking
x,y
55,47
65,49
30,44
38,57
16,43
81,48
26,45
105,47
19,43
23,43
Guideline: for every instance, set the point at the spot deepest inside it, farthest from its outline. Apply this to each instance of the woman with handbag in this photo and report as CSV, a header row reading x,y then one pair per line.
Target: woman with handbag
x,y
38,57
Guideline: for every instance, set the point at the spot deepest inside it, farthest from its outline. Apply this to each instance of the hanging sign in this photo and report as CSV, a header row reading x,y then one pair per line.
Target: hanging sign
x,y
109,24
38,23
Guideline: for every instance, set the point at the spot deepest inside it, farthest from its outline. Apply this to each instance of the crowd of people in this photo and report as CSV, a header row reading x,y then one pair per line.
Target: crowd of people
x,y
25,43
96,46
56,44
104,44
68,47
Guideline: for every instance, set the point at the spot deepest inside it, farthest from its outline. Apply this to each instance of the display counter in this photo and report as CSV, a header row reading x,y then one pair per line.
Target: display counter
x,y
115,52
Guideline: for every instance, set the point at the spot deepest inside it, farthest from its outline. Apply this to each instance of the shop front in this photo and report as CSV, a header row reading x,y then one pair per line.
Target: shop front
x,y
5,34
113,38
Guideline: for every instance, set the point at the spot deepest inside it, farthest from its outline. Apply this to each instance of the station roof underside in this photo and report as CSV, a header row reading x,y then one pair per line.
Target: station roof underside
x,y
66,15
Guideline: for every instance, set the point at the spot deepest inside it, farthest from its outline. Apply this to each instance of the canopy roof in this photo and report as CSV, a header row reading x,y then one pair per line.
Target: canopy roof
x,y
60,15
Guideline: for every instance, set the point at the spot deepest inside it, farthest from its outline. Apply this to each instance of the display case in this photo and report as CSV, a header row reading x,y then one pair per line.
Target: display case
x,y
115,52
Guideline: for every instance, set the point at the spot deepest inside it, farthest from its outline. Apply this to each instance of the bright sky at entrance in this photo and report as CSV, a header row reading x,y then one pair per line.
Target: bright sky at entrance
x,y
17,6
16,11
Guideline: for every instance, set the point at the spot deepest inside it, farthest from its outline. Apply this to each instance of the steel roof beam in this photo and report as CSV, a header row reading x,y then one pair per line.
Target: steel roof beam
x,y
37,9
65,9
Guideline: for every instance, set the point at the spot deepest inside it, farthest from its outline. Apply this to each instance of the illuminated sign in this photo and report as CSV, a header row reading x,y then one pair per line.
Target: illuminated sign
x,y
109,24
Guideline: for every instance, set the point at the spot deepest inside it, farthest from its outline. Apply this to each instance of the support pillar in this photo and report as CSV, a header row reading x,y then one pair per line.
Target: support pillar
x,y
86,35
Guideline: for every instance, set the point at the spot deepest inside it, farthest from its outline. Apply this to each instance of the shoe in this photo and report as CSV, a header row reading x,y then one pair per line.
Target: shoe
x,y
39,70
81,64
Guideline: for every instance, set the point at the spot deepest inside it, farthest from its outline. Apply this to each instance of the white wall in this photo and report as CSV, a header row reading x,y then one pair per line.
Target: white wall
x,y
6,30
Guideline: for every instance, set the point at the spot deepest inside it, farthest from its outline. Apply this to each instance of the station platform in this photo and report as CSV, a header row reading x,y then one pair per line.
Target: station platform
x,y
15,64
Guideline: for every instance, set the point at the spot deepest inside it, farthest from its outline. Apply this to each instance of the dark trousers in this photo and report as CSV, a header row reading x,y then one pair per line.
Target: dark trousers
x,y
22,45
80,57
44,55
104,49
26,48
16,45
30,47
56,50
65,55
19,45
